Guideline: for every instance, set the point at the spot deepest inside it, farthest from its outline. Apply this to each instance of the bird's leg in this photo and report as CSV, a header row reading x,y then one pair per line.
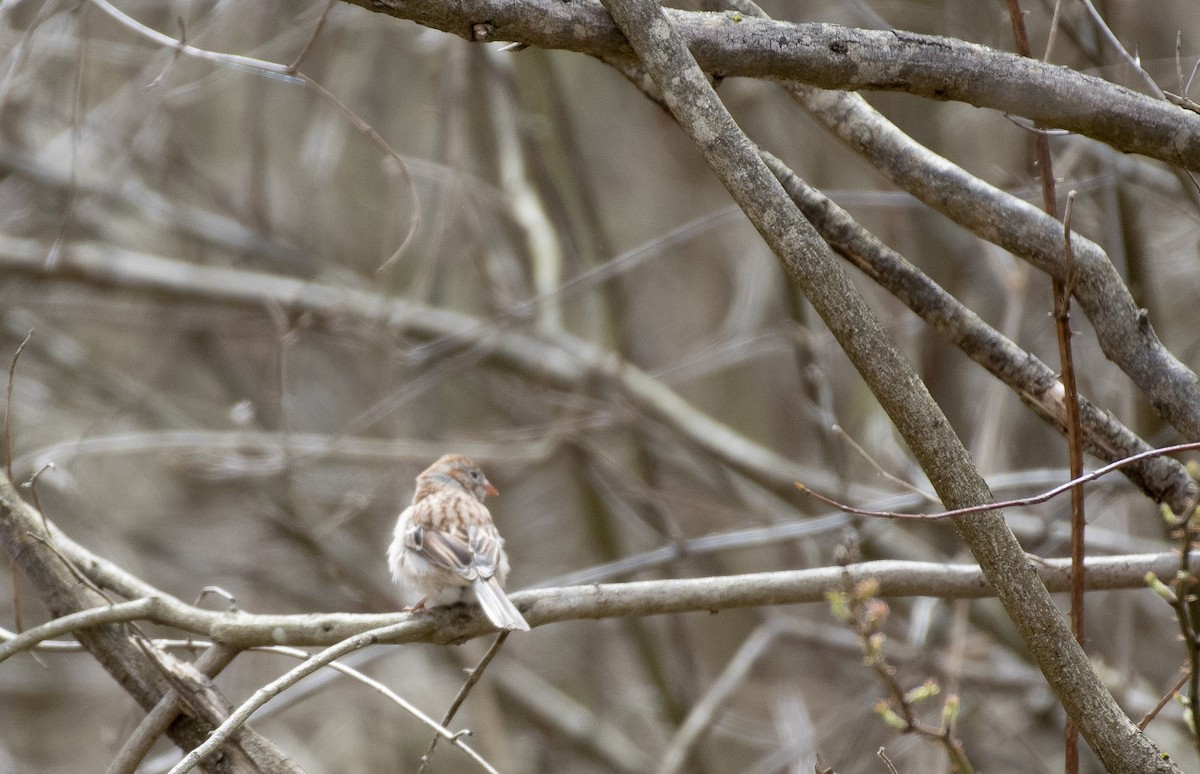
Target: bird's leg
x,y
420,605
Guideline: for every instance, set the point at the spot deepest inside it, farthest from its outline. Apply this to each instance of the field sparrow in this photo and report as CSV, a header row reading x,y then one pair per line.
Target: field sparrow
x,y
446,546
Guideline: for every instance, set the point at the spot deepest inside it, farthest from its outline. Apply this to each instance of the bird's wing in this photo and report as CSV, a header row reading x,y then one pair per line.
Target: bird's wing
x,y
485,545
454,543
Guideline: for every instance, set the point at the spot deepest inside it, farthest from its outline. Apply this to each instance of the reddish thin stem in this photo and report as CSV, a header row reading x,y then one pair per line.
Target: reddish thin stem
x,y
1022,502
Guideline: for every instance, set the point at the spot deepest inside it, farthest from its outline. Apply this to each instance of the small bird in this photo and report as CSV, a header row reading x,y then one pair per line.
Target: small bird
x,y
447,547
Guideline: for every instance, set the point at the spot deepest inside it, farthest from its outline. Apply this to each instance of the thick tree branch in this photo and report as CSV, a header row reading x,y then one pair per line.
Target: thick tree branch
x,y
158,720
835,57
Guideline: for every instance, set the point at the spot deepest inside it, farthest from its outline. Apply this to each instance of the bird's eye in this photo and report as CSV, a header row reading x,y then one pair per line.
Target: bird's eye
x,y
477,475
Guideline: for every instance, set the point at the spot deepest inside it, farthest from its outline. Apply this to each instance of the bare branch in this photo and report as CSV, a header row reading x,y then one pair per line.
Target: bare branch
x,y
705,711
8,397
158,720
235,60
136,610
146,673
461,696
237,719
1034,382
1124,329
1019,502
834,57
240,630
890,377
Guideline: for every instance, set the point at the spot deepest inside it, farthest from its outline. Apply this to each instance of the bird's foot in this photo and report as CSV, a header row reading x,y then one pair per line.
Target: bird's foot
x,y
418,606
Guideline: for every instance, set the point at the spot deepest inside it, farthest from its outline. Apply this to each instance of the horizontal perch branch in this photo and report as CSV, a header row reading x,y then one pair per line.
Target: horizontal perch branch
x,y
611,600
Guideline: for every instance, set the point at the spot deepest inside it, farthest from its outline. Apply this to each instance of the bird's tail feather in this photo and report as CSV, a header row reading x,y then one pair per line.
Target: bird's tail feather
x,y
499,608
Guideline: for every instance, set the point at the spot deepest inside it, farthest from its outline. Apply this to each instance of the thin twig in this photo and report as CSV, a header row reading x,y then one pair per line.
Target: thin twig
x,y
1062,289
67,646
48,541
857,605
1005,504
8,464
269,691
250,64
704,713
12,370
290,74
31,485
312,39
377,138
840,431
472,679
1107,33
1164,701
1052,35
1062,314
1184,600
55,252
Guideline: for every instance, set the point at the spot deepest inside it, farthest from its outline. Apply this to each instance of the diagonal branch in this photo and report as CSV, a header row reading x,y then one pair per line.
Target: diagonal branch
x,y
145,672
686,91
1034,382
232,725
1123,329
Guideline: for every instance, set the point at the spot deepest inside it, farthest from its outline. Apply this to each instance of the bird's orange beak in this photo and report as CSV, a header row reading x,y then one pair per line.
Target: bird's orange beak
x,y
491,489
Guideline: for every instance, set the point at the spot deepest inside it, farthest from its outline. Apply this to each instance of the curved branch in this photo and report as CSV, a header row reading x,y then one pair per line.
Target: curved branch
x,y
237,719
836,57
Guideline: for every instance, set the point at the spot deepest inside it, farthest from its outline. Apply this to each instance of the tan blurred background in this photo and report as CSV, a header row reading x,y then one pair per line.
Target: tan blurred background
x,y
200,440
